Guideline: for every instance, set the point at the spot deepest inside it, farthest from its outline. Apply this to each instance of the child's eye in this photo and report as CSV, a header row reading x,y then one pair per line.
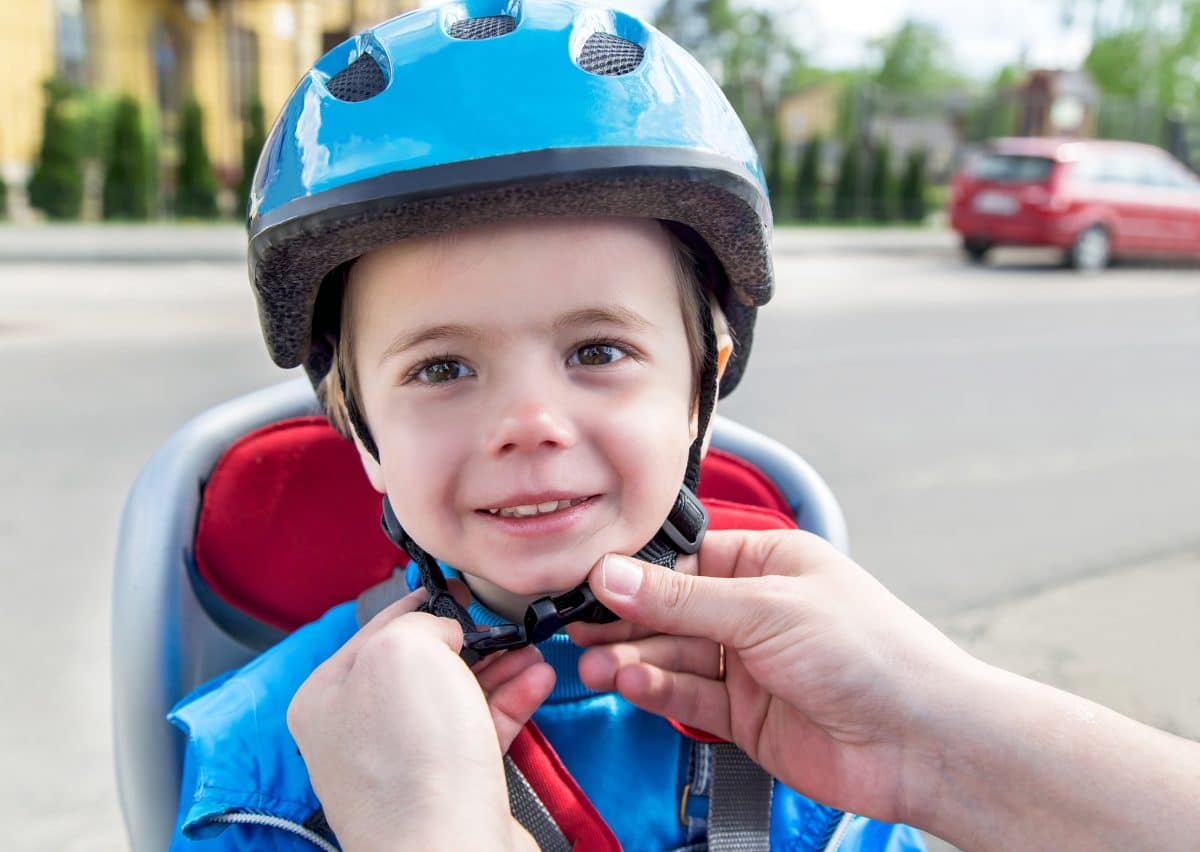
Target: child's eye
x,y
441,371
596,355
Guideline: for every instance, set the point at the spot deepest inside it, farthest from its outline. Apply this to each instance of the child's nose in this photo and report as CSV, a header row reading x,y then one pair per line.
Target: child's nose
x,y
529,424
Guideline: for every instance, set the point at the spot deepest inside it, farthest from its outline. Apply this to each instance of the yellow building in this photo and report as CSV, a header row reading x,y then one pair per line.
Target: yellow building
x,y
222,52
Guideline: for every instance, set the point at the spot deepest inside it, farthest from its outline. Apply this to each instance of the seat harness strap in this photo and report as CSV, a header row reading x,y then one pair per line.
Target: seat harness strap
x,y
739,808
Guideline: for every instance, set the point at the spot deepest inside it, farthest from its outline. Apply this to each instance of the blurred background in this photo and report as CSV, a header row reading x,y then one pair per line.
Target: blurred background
x,y
861,109
1016,445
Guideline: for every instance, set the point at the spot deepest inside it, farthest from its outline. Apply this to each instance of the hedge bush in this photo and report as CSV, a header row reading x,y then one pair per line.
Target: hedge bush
x,y
56,187
195,185
881,194
808,180
253,138
128,165
914,205
846,203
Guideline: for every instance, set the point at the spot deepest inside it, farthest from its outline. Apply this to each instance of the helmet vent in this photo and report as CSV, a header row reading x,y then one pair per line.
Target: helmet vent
x,y
610,55
358,81
474,29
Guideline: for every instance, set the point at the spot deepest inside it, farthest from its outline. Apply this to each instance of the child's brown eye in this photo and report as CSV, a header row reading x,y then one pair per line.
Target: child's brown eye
x,y
440,372
596,355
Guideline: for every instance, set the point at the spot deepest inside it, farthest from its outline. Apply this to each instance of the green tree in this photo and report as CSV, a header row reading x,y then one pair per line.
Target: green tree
x,y
808,180
748,51
914,205
913,61
3,198
880,193
196,188
56,187
1148,50
776,175
127,170
846,199
253,138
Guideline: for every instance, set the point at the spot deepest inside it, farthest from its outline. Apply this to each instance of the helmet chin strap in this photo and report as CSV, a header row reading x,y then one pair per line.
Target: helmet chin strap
x,y
681,533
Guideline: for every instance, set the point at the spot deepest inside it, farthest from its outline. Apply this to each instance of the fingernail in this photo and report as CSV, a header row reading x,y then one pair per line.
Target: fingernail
x,y
620,576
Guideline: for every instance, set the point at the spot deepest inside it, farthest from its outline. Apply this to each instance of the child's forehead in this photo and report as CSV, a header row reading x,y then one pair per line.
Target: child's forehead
x,y
531,266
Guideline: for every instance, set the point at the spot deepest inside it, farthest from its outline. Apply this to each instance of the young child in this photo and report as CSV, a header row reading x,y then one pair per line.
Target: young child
x,y
518,250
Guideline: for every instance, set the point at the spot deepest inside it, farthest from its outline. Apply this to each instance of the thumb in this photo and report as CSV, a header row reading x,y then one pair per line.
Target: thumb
x,y
670,602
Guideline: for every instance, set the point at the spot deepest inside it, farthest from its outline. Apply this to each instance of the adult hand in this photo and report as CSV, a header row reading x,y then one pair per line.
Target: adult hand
x,y
846,695
828,676
397,732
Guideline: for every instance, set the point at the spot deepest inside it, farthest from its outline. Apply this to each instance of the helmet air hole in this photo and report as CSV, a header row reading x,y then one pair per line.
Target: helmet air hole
x,y
609,55
474,29
358,81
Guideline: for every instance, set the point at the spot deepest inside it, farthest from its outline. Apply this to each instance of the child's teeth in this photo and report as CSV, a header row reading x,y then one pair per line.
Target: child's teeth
x,y
531,509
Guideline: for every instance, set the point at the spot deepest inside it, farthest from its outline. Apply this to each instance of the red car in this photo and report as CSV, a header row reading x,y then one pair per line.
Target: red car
x,y
1093,199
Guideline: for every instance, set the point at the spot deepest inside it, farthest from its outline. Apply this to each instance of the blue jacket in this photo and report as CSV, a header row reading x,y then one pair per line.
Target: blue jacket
x,y
246,787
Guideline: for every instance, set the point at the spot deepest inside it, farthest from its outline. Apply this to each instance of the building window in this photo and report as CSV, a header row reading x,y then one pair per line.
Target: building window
x,y
72,46
164,52
244,73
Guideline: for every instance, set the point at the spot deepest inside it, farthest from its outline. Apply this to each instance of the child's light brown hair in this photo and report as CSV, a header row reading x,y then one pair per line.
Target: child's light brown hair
x,y
690,279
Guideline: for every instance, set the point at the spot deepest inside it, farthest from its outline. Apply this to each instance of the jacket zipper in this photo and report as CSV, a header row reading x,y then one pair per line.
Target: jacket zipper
x,y
277,822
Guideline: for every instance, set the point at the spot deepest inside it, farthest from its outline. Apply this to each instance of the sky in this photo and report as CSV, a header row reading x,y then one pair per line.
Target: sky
x,y
984,36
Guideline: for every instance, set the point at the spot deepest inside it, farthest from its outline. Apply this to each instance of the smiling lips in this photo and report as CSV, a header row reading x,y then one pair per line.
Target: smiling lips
x,y
530,510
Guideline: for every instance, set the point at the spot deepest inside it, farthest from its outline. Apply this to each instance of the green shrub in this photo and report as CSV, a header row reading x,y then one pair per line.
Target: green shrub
x,y
845,192
3,198
776,181
881,193
914,205
56,187
195,185
127,169
253,138
808,180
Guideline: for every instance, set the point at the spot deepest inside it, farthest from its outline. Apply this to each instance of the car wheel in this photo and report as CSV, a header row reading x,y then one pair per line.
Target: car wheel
x,y
976,249
1092,250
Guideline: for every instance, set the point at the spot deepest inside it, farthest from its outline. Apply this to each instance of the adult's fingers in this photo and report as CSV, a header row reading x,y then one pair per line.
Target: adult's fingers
x,y
722,609
696,701
598,667
513,702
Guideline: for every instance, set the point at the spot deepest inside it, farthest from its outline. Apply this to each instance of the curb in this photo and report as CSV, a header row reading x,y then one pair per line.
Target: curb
x,y
226,243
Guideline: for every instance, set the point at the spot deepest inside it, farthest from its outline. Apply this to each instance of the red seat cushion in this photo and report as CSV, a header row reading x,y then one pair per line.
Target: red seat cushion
x,y
289,525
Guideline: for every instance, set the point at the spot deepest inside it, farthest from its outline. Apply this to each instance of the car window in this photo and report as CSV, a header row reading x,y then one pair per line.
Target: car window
x,y
1011,168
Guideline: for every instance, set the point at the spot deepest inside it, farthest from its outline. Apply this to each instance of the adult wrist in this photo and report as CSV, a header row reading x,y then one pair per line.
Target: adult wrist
x,y
946,731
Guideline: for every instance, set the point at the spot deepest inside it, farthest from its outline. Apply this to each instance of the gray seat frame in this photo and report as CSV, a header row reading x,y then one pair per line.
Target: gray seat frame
x,y
165,643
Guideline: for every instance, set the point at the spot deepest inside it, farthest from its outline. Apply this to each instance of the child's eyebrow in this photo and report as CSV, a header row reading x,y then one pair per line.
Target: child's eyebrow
x,y
407,340
612,314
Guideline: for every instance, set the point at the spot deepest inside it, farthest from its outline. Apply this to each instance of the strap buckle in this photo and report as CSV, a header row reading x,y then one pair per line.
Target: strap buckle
x,y
545,617
501,637
687,523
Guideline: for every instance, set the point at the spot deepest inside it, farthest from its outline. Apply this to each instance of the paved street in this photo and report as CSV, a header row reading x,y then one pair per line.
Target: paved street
x,y
1017,449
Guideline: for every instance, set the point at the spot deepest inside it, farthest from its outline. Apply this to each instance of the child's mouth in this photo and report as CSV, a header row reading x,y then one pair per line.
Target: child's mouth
x,y
532,510
550,515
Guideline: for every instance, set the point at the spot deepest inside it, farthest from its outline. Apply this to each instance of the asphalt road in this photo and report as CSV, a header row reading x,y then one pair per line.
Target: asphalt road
x,y
996,436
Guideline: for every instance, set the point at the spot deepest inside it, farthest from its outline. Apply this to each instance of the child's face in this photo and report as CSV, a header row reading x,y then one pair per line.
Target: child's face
x,y
538,366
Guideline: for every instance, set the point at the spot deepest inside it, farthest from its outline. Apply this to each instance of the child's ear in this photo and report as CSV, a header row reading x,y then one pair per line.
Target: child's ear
x,y
724,352
371,467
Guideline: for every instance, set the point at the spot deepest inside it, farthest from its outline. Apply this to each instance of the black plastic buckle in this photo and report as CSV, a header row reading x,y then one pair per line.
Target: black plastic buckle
x,y
545,617
501,637
685,527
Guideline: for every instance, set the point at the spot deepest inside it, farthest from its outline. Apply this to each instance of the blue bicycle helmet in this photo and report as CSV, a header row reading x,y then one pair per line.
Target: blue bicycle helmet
x,y
483,110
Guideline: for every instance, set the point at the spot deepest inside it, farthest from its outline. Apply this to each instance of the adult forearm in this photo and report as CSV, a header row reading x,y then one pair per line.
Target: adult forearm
x,y
1026,766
